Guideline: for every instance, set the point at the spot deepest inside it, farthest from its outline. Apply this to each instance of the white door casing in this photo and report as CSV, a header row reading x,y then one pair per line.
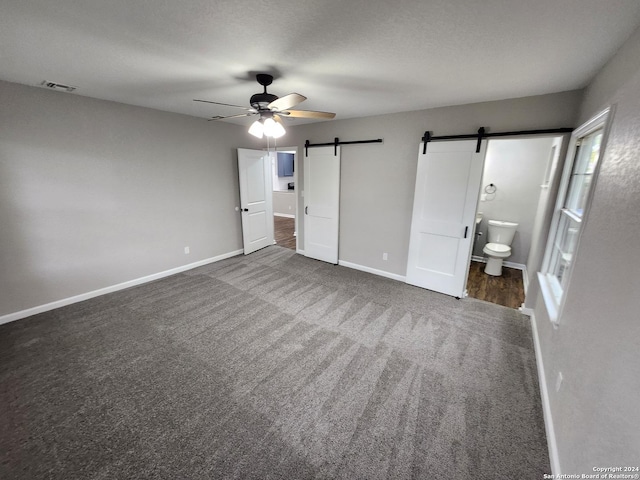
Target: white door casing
x,y
256,199
442,227
322,203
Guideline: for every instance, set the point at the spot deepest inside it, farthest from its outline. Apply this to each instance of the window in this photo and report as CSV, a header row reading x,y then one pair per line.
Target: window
x,y
580,173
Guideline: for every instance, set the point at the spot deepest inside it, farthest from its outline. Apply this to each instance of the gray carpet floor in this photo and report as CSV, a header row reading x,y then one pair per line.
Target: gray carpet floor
x,y
271,366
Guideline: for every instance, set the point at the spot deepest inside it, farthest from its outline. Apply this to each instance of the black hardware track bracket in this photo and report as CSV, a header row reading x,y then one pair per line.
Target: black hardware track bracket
x,y
426,139
482,134
336,142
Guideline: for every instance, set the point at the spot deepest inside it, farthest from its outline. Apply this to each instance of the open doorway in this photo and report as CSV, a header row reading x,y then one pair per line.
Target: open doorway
x,y
284,175
514,189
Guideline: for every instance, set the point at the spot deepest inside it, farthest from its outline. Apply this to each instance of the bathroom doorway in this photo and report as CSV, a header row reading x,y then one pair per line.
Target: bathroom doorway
x,y
517,176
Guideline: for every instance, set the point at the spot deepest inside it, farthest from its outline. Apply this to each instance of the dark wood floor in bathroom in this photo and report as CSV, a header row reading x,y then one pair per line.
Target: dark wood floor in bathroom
x,y
283,229
507,290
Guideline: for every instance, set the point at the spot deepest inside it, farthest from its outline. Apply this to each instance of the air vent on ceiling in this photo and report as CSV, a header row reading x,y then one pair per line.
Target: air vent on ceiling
x,y
57,86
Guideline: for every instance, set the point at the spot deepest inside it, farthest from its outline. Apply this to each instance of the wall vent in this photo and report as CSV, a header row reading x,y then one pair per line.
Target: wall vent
x,y
57,86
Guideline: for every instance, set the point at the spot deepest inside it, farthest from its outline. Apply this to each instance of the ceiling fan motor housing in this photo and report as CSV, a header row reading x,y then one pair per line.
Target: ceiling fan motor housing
x,y
261,100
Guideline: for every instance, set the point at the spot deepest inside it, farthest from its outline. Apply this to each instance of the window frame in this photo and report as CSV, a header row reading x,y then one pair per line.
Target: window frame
x,y
553,294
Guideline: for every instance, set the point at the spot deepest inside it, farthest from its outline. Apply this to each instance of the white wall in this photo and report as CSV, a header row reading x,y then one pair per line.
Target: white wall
x,y
284,203
516,167
96,193
595,413
377,180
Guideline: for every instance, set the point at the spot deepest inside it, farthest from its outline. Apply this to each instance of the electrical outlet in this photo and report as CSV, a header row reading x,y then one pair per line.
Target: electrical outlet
x,y
385,256
559,381
186,250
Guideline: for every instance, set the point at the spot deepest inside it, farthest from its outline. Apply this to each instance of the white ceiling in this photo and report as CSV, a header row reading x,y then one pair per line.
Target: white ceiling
x,y
352,57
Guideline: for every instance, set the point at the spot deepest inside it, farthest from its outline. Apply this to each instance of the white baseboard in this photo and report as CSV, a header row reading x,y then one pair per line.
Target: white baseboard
x,y
375,271
114,288
546,406
526,311
286,215
518,266
362,268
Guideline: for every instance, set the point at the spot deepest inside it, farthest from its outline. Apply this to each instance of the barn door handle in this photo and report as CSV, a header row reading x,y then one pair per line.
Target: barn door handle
x,y
466,230
306,210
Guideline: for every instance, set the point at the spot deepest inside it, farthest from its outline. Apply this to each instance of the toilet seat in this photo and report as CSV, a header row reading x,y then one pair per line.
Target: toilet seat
x,y
497,250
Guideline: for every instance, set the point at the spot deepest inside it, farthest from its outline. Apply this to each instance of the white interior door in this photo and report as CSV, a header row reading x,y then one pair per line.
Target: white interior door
x,y
256,199
444,208
322,203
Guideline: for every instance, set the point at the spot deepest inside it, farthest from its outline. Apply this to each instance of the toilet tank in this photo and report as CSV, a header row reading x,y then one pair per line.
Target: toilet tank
x,y
501,232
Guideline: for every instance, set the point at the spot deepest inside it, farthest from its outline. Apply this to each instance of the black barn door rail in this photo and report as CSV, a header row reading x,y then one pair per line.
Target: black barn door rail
x,y
335,143
482,133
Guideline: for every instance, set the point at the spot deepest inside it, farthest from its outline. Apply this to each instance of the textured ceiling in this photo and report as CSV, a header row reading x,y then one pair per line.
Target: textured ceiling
x,y
352,57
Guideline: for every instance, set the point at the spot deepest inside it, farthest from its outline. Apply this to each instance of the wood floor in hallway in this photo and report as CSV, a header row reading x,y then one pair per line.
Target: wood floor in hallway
x,y
507,289
283,229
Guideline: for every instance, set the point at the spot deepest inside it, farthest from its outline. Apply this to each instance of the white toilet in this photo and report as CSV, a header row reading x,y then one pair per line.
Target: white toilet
x,y
500,238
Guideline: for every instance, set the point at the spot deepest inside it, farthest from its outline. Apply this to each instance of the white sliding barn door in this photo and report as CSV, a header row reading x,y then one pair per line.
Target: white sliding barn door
x,y
322,203
256,199
444,208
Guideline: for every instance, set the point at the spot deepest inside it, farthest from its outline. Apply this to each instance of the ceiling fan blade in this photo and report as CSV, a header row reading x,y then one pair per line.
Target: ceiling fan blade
x,y
307,114
225,104
218,117
286,102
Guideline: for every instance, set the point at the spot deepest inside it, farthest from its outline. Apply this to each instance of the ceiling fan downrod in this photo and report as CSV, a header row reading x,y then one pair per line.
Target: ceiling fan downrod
x,y
260,101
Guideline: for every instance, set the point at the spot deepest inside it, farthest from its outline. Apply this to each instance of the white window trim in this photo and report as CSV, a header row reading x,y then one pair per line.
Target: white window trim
x,y
549,293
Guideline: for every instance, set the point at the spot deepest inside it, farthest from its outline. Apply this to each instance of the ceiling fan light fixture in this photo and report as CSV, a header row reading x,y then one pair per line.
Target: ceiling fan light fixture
x,y
278,130
267,127
257,129
273,128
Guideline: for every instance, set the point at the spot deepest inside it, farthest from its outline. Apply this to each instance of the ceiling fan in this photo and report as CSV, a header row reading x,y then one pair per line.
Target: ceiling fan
x,y
270,108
